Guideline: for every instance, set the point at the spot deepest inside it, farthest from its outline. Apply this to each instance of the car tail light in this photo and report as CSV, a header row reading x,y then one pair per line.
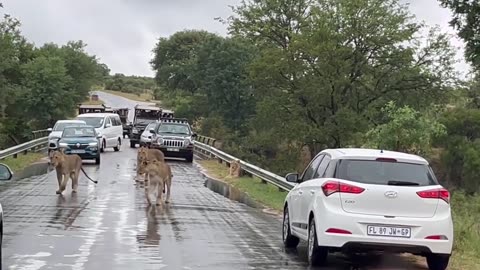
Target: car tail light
x,y
338,231
436,237
439,193
331,187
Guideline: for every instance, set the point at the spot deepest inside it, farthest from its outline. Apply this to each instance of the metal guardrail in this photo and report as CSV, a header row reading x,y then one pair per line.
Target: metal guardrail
x,y
40,133
34,145
264,175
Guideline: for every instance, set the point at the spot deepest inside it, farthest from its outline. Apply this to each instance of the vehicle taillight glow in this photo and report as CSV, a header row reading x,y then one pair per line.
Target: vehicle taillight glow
x,y
439,193
331,187
338,231
436,237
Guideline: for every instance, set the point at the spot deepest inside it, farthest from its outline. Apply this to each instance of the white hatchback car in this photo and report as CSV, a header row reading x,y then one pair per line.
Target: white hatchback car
x,y
354,199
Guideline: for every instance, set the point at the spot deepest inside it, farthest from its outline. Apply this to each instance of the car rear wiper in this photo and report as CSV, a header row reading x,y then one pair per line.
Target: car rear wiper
x,y
402,183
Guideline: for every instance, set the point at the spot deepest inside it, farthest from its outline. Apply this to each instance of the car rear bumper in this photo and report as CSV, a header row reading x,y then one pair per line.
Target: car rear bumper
x,y
134,137
360,240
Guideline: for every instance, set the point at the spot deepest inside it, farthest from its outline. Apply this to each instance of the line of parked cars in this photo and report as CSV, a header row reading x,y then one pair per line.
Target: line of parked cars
x,y
87,135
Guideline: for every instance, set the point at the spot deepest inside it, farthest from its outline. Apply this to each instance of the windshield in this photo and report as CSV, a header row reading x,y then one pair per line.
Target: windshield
x,y
61,126
150,126
385,173
95,122
70,132
174,128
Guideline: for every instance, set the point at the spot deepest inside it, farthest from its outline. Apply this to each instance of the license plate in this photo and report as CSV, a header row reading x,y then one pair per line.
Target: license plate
x,y
81,151
389,231
173,149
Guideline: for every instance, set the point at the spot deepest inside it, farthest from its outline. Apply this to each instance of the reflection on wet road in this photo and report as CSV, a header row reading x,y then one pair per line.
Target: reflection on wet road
x,y
109,226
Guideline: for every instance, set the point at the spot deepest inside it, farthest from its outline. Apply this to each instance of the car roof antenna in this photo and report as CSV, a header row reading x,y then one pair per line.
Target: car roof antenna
x,y
381,151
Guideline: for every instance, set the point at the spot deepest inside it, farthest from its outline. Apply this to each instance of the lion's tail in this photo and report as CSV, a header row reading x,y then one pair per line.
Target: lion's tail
x,y
94,181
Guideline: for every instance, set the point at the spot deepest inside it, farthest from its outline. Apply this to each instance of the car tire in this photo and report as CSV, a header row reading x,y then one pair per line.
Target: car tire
x,y
97,161
437,261
317,255
117,148
102,149
132,144
189,158
289,241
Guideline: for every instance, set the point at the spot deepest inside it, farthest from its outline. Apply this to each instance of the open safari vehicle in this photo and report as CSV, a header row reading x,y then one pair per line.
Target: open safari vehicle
x,y
86,108
143,116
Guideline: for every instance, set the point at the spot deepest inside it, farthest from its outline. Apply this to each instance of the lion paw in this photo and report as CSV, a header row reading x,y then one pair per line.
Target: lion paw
x,y
74,191
58,192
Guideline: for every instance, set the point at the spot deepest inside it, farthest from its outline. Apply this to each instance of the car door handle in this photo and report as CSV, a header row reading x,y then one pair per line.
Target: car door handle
x,y
312,192
300,192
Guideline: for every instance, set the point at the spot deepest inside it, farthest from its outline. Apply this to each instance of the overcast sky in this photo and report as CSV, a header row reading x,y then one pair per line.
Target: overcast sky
x,y
122,33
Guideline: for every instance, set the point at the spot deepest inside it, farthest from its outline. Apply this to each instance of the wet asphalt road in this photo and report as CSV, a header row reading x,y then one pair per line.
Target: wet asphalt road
x,y
109,226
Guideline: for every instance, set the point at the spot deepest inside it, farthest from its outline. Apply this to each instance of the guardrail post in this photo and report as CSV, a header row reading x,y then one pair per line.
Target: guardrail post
x,y
14,155
264,182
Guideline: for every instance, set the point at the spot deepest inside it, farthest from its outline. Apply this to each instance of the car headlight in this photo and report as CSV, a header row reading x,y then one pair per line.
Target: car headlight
x,y
160,141
93,144
187,141
64,145
53,138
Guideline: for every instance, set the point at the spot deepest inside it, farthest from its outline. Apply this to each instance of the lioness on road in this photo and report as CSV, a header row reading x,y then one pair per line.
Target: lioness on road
x,y
159,175
67,166
147,154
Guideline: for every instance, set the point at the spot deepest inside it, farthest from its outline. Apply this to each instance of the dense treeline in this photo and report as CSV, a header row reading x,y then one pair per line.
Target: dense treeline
x,y
335,73
39,85
130,84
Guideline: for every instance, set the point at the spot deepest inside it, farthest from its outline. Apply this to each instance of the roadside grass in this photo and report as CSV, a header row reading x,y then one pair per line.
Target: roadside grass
x,y
465,211
466,218
144,97
22,161
265,194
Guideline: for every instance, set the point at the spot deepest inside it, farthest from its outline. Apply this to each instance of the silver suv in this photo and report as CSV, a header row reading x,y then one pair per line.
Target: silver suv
x,y
174,137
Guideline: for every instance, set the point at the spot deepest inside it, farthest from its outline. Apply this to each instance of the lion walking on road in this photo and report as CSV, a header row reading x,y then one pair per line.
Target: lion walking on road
x,y
67,166
147,154
159,176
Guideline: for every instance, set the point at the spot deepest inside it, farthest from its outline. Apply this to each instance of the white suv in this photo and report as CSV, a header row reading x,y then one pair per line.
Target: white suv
x,y
364,199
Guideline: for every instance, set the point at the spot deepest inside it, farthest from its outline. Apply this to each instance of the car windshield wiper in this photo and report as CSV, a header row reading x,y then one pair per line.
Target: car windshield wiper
x,y
402,183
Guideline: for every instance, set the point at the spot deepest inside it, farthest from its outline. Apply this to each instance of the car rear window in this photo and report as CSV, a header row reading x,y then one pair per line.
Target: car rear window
x,y
385,173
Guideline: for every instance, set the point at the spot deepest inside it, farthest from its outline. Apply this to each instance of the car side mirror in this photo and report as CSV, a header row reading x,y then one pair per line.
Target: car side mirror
x,y
108,125
49,129
5,172
152,131
194,135
292,177
150,137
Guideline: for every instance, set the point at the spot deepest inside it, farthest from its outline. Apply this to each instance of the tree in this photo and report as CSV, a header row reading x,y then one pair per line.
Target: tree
x,y
466,20
406,130
174,57
331,65
48,98
462,145
221,73
40,85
